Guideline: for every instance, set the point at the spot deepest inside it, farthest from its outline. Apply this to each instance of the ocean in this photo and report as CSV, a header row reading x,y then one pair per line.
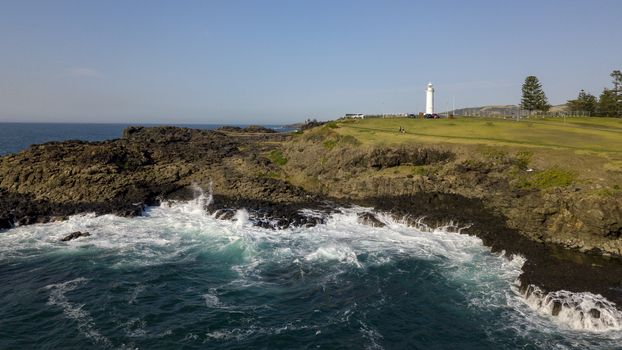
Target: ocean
x,y
177,277
15,137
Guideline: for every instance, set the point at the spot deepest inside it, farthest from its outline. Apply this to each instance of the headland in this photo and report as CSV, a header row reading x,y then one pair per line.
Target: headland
x,y
544,189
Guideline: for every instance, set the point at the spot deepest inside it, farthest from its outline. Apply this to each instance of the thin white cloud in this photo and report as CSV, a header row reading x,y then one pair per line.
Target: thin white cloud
x,y
84,72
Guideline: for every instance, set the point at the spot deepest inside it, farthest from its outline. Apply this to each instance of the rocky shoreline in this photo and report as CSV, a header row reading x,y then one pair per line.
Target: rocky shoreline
x,y
275,176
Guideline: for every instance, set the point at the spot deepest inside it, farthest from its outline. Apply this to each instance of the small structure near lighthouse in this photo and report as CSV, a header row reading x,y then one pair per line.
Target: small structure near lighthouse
x,y
429,100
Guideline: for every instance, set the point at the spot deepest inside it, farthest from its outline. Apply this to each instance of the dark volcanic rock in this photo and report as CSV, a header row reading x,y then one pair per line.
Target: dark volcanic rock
x,y
248,129
20,209
5,222
380,158
370,219
122,176
594,313
224,214
75,235
272,215
557,307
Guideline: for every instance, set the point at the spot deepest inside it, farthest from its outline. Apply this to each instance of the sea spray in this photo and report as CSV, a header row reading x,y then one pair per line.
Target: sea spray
x,y
178,275
579,311
241,218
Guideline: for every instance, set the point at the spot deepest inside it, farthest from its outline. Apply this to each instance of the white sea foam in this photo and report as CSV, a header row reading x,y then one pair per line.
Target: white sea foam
x,y
372,335
239,334
178,230
211,299
74,311
341,254
241,218
579,311
137,290
136,328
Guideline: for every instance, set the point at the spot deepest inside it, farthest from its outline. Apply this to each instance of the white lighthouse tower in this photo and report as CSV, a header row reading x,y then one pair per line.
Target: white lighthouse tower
x,y
429,100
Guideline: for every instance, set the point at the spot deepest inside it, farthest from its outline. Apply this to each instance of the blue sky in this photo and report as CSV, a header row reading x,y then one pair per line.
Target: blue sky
x,y
236,61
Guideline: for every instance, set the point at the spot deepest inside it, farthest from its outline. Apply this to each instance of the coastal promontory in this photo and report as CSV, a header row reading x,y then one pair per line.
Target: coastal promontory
x,y
522,187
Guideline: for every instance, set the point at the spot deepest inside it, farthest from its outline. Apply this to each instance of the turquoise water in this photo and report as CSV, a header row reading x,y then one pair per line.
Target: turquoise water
x,y
178,278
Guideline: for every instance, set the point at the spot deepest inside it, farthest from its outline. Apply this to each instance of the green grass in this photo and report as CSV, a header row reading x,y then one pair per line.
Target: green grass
x,y
424,170
590,134
522,159
277,157
581,150
608,192
329,144
553,177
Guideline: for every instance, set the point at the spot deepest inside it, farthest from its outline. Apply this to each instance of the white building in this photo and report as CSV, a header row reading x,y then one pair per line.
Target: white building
x,y
354,115
429,100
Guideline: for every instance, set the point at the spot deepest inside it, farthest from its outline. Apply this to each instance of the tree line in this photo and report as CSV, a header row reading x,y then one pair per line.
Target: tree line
x,y
608,104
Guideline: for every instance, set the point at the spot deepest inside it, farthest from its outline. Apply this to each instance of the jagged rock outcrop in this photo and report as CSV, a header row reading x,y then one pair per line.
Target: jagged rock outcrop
x,y
56,179
74,235
370,219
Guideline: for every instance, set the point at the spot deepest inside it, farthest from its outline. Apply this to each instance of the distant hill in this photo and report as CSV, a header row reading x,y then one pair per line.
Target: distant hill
x,y
499,110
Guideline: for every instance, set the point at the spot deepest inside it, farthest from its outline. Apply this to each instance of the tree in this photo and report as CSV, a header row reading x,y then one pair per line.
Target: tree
x,y
533,96
608,103
617,90
617,80
585,103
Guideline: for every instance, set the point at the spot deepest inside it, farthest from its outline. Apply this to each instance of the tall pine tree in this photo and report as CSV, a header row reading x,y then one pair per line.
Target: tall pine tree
x,y
534,98
607,103
617,91
584,103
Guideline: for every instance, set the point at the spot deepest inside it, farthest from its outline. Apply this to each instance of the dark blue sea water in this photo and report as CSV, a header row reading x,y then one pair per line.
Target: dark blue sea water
x,y
177,278
15,137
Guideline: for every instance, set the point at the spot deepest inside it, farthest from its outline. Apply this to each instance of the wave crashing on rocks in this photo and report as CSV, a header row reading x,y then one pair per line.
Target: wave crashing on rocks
x,y
178,262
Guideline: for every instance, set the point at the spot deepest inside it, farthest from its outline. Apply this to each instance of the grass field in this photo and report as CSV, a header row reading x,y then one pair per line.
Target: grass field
x,y
588,148
602,135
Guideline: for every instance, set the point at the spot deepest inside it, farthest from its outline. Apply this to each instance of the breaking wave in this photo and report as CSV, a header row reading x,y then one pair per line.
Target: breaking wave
x,y
578,311
344,275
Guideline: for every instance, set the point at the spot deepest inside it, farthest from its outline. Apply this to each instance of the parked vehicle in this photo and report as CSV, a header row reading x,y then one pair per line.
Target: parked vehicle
x,y
432,116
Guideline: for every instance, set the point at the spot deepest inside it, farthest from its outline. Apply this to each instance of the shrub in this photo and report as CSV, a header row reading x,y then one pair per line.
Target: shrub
x,y
425,170
553,177
329,144
343,140
607,192
318,134
277,157
494,153
350,140
522,159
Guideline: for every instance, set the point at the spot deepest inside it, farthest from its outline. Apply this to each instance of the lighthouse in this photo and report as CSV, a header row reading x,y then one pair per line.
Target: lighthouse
x,y
429,99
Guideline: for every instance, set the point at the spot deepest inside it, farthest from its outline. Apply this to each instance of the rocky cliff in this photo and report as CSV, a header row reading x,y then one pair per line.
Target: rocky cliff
x,y
546,205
